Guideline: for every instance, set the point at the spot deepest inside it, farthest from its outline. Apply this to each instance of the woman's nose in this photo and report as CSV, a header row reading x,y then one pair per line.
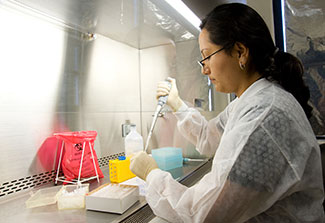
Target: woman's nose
x,y
205,70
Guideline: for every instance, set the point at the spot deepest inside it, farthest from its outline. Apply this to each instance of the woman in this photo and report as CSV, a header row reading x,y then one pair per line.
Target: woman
x,y
266,165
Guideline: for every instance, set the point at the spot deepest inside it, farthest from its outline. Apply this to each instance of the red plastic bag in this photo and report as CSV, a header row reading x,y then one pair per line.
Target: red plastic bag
x,y
74,144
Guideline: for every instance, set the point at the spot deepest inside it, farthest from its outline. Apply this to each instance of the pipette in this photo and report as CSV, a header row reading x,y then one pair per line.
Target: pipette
x,y
161,103
193,160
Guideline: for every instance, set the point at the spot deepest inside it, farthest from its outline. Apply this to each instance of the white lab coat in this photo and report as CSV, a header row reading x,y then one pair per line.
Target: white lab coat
x,y
266,165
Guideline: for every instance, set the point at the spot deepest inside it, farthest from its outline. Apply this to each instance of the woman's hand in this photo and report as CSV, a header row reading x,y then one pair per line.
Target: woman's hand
x,y
142,164
173,101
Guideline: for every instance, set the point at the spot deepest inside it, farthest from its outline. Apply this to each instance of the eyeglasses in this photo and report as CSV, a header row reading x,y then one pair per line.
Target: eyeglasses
x,y
208,57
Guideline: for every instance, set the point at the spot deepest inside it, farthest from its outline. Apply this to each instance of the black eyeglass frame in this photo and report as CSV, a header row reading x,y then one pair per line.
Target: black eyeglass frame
x,y
208,57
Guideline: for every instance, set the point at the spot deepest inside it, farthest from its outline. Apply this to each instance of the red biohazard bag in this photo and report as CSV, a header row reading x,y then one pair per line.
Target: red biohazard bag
x,y
76,143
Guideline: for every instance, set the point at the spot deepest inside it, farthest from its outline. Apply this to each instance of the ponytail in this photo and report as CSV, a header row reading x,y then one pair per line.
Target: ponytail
x,y
287,70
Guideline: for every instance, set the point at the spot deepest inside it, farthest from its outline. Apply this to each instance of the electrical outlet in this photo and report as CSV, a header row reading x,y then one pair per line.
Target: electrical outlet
x,y
126,128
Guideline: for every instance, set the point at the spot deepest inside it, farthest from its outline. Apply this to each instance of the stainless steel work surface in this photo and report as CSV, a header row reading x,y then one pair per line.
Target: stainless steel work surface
x,y
14,209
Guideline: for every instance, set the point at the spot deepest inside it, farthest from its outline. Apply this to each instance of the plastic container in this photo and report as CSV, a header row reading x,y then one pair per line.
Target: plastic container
x,y
114,198
119,170
72,196
168,158
133,141
42,197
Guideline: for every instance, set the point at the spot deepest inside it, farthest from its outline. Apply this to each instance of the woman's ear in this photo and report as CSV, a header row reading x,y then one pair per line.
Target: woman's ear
x,y
241,52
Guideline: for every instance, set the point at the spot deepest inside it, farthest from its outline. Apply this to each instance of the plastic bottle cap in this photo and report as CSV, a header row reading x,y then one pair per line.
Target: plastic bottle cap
x,y
121,158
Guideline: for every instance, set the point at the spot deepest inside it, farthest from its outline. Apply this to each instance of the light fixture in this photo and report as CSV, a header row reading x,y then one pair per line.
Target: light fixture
x,y
181,13
283,26
180,7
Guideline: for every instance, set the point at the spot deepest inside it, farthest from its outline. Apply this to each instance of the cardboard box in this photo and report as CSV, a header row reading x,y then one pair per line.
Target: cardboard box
x,y
112,198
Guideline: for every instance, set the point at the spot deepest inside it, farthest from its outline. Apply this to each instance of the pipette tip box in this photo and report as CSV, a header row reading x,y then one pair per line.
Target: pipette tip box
x,y
113,198
168,157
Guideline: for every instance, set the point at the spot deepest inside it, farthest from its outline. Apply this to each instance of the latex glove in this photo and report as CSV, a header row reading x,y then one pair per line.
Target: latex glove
x,y
173,101
141,164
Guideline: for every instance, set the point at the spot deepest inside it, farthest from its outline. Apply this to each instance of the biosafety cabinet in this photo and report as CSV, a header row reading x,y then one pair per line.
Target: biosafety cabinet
x,y
91,65
78,65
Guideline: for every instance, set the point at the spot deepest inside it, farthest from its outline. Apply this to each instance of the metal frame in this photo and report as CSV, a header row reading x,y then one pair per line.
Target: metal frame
x,y
80,180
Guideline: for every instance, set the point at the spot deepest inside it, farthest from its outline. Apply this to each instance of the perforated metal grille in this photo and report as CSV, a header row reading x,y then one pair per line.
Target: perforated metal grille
x,y
104,160
17,185
144,215
24,183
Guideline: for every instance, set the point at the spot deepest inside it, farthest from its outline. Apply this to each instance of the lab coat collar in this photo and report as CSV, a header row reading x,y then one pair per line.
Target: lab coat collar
x,y
255,87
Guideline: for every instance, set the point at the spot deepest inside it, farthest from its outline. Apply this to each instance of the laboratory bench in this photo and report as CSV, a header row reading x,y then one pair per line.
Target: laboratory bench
x,y
13,209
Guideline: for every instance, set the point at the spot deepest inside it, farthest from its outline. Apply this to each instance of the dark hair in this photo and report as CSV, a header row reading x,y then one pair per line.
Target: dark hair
x,y
235,22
